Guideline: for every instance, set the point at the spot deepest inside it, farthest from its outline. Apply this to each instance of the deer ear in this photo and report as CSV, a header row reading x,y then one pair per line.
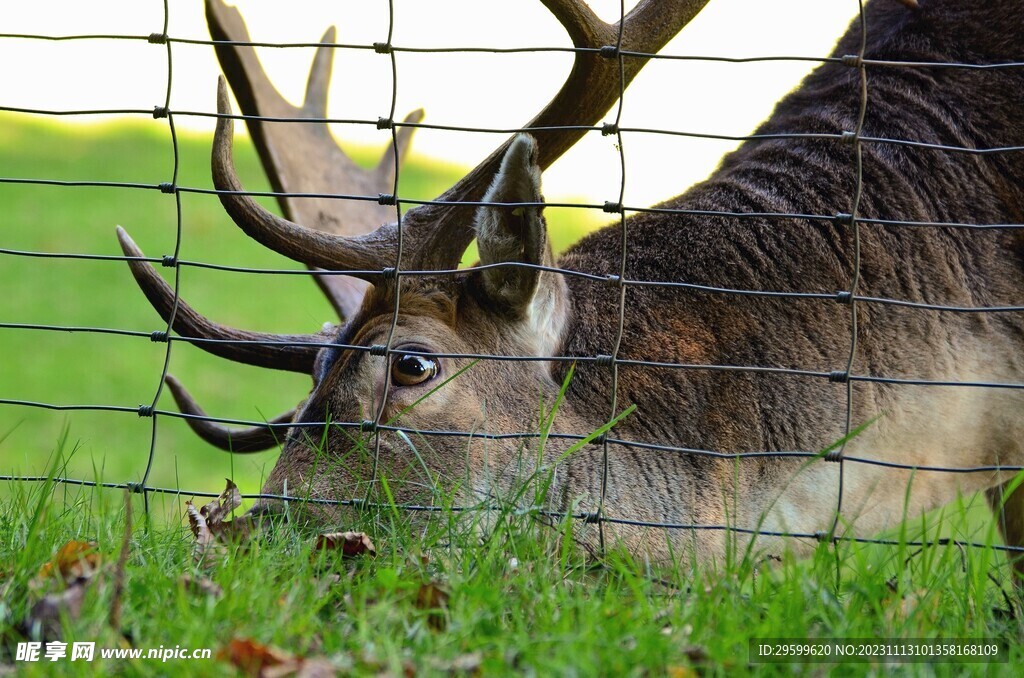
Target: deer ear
x,y
518,234
513,233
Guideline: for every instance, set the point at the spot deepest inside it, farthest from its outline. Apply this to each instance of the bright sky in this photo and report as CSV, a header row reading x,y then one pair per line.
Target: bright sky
x,y
457,89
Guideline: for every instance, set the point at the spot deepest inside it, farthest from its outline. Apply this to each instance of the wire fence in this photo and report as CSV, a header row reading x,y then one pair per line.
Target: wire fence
x,y
849,297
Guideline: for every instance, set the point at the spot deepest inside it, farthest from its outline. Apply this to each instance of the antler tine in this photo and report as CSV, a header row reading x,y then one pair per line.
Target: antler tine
x,y
443,231
239,441
191,325
437,235
304,158
311,247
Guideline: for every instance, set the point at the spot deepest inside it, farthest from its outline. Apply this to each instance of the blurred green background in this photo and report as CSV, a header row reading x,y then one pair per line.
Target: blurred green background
x,y
93,369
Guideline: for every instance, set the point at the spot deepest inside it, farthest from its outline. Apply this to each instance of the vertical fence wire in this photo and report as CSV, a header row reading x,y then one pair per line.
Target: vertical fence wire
x,y
386,388
171,188
621,278
853,225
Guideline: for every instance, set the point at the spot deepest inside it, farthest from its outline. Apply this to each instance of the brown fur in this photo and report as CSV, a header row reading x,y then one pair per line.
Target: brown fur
x,y
744,411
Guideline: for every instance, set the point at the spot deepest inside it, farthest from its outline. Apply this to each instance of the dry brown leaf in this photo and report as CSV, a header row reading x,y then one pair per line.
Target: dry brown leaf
x,y
253,658
211,518
207,549
262,661
432,597
73,560
210,528
200,586
351,544
44,619
680,672
220,508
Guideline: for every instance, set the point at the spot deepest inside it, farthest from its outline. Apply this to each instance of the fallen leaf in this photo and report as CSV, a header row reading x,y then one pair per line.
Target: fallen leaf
x,y
262,661
351,544
207,549
44,619
253,658
200,586
680,672
210,528
73,560
432,597
220,508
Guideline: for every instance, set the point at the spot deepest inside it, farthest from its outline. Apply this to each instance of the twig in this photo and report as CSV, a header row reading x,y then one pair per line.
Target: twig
x,y
122,560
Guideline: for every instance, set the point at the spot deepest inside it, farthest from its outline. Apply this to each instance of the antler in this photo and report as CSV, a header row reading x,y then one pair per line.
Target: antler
x,y
303,157
437,235
241,440
339,235
191,325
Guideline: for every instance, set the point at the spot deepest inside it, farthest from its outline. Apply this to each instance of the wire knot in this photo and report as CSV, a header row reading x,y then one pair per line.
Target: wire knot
x,y
378,350
134,488
839,376
852,60
145,410
167,187
600,440
604,360
613,279
609,51
609,128
386,199
368,426
848,137
844,297
168,260
382,47
822,535
834,456
157,38
612,207
159,337
844,219
160,112
385,123
592,517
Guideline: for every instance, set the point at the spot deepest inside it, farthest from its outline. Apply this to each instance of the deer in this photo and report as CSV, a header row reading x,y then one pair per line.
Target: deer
x,y
435,379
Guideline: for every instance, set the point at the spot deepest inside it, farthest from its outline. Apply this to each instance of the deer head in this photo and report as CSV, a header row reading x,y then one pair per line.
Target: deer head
x,y
403,357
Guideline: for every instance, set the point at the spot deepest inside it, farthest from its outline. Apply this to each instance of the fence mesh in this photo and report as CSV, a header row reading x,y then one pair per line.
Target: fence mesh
x,y
849,297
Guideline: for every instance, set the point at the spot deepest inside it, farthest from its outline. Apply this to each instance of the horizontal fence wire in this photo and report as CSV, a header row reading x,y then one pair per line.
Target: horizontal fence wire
x,y
849,298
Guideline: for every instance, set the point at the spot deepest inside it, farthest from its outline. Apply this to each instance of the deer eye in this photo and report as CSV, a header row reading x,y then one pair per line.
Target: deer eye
x,y
410,370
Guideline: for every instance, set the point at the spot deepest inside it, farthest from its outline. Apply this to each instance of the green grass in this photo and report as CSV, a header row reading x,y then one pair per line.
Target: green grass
x,y
522,600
